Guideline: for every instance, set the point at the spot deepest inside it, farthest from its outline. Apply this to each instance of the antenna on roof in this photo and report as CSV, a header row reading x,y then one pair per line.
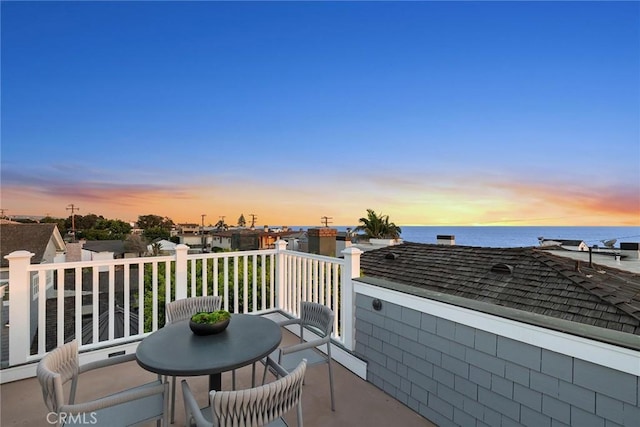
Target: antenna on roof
x,y
325,220
609,243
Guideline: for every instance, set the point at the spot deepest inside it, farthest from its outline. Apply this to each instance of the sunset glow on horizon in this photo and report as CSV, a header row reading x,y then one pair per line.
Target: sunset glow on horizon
x,y
434,113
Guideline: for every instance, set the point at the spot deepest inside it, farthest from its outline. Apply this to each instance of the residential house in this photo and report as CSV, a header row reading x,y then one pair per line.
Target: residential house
x,y
221,239
166,247
43,240
47,245
94,250
569,244
501,336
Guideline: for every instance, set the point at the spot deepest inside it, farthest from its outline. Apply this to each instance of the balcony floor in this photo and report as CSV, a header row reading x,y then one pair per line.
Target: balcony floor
x,y
358,403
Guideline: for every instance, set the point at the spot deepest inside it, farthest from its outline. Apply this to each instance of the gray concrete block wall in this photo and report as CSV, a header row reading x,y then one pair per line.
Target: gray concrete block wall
x,y
456,375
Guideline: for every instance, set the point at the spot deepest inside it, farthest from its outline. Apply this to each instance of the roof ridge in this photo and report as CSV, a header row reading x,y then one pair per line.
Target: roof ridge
x,y
554,262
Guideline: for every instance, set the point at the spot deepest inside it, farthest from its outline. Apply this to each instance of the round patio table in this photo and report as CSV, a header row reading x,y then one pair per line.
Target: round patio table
x,y
175,350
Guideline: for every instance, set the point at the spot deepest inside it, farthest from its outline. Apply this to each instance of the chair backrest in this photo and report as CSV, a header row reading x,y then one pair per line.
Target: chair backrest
x,y
182,309
317,316
259,406
54,370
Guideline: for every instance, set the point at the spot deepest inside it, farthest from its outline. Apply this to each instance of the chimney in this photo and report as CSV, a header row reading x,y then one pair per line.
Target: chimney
x,y
445,239
322,241
630,250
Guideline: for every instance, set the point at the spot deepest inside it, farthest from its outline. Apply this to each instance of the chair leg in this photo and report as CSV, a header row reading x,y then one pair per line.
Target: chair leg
x,y
173,399
253,374
333,406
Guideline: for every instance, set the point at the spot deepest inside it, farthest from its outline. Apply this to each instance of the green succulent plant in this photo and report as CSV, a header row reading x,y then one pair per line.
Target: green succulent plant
x,y
211,316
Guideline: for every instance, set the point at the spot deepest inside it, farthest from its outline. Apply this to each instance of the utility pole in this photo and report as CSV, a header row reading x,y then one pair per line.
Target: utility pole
x,y
325,220
253,220
73,208
203,239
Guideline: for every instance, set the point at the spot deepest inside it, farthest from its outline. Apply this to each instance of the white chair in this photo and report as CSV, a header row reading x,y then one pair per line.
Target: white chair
x,y
317,318
255,407
183,309
132,406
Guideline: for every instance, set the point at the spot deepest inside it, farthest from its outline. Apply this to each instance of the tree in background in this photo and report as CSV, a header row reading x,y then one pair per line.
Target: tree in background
x,y
152,221
378,226
241,221
60,222
136,244
220,225
107,229
154,233
155,227
83,222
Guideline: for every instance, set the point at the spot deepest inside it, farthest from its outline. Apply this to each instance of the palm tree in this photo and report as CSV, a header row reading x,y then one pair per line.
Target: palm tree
x,y
378,226
220,225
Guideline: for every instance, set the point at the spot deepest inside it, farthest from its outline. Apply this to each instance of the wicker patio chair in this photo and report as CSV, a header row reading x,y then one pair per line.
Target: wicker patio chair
x,y
317,318
255,407
132,406
183,309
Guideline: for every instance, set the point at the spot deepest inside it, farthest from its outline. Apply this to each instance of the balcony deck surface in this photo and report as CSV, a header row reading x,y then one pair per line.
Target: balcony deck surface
x,y
358,403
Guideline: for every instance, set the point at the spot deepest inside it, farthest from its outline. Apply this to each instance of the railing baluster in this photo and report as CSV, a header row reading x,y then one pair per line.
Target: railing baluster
x,y
167,282
336,303
205,262
236,297
154,291
60,304
225,297
112,299
321,284
79,303
215,276
254,284
272,282
245,285
42,311
140,298
127,300
95,309
193,278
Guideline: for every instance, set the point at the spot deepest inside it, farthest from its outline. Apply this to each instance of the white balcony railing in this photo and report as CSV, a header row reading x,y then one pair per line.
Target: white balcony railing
x,y
120,301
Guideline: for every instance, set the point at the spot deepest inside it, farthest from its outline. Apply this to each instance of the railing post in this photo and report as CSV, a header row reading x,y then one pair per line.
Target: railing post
x,y
281,246
181,271
348,309
19,306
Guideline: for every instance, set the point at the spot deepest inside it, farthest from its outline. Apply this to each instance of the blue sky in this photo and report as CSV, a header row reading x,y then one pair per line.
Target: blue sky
x,y
525,113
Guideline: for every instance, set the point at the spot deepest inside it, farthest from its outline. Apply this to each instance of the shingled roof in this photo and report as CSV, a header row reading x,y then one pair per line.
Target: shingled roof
x,y
26,237
526,279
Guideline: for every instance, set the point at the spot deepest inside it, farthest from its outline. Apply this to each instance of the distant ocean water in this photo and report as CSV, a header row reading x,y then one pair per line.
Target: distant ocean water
x,y
515,236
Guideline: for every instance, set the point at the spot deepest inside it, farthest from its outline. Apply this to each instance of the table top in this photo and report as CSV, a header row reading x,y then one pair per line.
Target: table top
x,y
175,350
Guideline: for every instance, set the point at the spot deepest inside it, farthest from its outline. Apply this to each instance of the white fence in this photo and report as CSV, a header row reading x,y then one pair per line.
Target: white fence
x,y
122,300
